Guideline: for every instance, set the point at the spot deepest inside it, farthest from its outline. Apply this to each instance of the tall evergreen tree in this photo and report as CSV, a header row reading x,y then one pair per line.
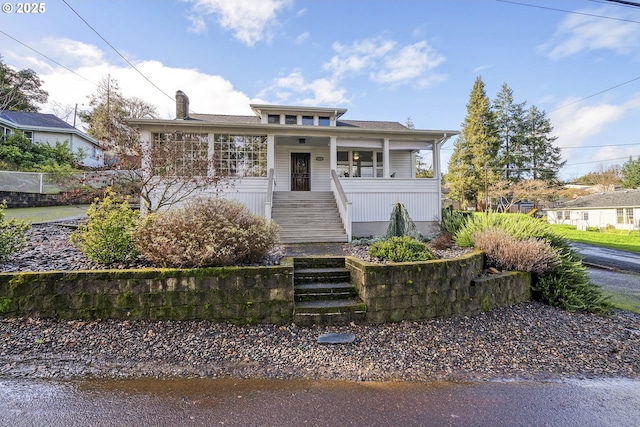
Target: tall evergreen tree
x,y
540,157
474,160
631,173
510,127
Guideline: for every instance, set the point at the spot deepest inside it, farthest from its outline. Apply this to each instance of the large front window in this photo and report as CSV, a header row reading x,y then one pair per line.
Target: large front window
x,y
360,164
180,154
241,155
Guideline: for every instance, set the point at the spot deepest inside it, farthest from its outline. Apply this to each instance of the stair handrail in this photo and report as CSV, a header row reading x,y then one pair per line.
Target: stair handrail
x,y
271,183
344,205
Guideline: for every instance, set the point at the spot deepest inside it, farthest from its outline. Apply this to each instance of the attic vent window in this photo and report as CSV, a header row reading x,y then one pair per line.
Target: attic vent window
x,y
274,119
290,120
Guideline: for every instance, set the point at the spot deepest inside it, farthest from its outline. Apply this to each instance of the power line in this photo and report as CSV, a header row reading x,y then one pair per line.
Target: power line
x,y
568,11
116,51
45,56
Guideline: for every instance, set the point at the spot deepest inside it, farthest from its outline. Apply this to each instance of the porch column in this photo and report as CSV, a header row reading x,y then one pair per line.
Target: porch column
x,y
211,154
271,151
386,167
436,160
333,153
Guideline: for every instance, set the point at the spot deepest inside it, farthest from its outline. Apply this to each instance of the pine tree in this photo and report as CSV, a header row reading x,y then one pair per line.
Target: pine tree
x,y
474,160
631,173
541,158
510,126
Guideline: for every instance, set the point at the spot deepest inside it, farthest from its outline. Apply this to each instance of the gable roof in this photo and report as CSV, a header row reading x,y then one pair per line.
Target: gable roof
x,y
612,199
42,122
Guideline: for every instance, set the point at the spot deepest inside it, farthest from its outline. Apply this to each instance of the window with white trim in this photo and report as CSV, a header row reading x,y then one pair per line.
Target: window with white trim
x,y
240,155
180,154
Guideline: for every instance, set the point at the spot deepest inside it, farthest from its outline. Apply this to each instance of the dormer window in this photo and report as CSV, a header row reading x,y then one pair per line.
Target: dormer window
x,y
307,120
290,120
324,121
274,119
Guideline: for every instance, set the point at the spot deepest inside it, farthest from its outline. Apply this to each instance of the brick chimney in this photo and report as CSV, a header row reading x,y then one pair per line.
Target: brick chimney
x,y
182,105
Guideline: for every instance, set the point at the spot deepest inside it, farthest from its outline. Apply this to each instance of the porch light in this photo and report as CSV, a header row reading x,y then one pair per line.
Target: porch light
x,y
301,141
356,155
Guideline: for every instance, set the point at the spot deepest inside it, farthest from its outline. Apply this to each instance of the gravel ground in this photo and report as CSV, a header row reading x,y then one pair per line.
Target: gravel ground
x,y
527,341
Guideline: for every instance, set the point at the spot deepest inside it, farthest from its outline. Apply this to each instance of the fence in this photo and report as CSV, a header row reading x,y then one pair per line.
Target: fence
x,y
45,183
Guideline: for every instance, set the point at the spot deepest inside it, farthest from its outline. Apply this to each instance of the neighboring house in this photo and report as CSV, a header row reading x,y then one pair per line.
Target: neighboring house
x,y
48,129
319,177
620,209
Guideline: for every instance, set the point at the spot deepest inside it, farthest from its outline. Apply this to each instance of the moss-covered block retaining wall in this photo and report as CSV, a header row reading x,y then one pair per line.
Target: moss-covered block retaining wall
x,y
228,294
241,295
432,289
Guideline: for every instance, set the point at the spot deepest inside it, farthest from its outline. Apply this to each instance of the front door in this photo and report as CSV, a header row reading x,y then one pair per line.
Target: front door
x,y
300,171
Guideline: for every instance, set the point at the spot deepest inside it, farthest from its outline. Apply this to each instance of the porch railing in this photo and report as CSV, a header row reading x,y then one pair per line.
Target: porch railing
x,y
271,183
344,205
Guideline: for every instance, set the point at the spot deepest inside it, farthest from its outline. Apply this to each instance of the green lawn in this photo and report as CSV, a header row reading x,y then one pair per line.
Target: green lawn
x,y
46,214
616,239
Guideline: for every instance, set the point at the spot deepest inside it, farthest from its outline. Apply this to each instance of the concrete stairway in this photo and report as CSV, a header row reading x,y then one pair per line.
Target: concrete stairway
x,y
307,217
324,293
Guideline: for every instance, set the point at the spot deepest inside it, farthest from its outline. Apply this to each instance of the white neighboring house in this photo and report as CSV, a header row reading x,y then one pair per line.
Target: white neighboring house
x,y
43,128
319,177
620,209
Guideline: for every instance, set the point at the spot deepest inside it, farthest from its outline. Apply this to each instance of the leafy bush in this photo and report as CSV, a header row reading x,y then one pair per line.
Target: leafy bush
x,y
452,221
534,255
593,229
213,232
13,235
400,249
566,286
17,152
108,234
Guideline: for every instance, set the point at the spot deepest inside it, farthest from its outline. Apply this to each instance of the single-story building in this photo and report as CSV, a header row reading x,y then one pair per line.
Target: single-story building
x,y
620,209
43,128
321,178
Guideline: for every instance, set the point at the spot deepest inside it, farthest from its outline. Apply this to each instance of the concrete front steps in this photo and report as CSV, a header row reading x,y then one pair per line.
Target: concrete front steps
x,y
307,217
324,294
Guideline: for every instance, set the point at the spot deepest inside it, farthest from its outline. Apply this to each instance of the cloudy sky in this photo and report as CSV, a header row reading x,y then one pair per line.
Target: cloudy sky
x,y
578,60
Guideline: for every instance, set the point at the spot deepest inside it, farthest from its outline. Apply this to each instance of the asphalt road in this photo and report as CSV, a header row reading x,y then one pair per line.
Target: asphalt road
x,y
614,259
149,402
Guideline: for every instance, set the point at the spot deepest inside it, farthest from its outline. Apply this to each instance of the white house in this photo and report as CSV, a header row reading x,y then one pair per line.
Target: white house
x,y
620,209
48,129
321,178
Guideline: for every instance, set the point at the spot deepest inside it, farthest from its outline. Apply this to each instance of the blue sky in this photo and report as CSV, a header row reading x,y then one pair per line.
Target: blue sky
x,y
578,60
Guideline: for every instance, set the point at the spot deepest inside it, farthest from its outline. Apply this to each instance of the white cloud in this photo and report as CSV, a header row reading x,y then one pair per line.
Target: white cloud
x,y
295,89
302,37
248,20
577,33
386,62
208,93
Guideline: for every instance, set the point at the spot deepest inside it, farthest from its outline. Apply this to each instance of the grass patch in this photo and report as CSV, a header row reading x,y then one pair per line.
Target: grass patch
x,y
46,214
615,239
622,300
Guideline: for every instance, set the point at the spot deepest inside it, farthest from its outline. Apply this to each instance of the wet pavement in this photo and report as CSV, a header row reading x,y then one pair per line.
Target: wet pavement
x,y
228,402
613,259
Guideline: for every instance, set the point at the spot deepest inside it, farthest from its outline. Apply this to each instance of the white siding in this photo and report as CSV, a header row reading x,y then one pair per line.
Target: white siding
x,y
373,199
93,155
320,169
400,164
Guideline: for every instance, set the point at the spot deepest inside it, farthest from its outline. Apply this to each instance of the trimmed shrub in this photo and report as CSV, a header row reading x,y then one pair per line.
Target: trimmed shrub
x,y
567,285
206,232
400,249
504,252
13,235
107,237
401,224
